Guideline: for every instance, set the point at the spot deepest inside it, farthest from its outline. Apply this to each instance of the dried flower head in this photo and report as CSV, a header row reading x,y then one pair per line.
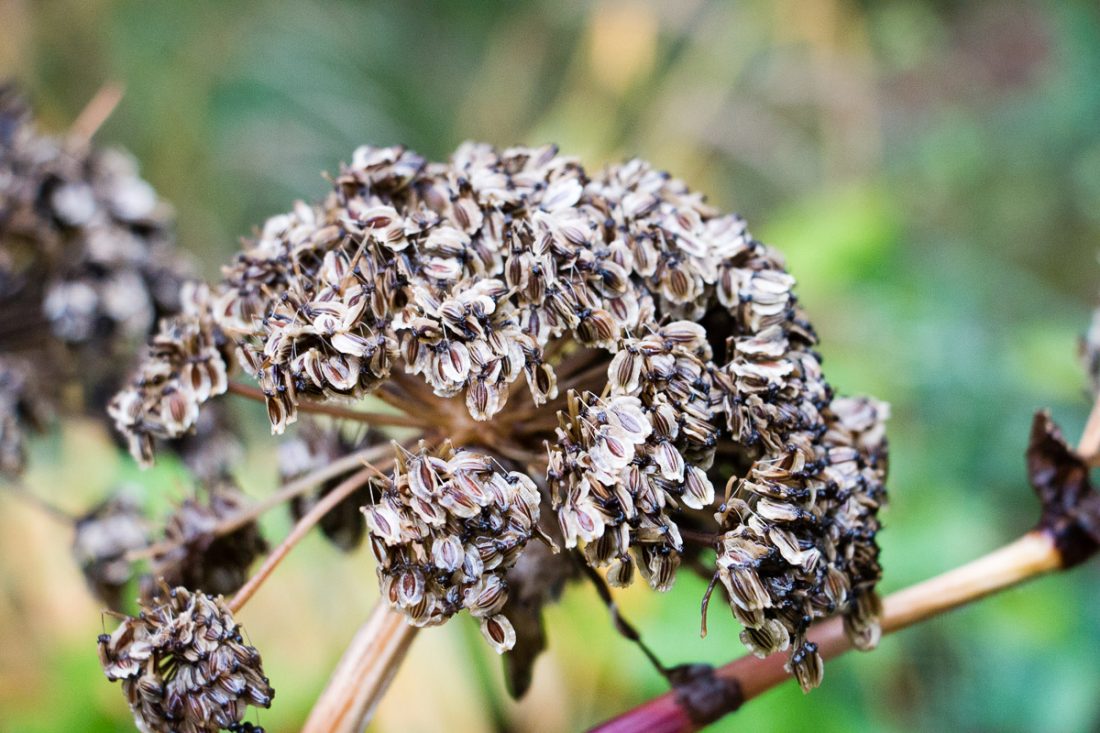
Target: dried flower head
x,y
444,531
197,556
23,407
184,666
184,367
664,355
87,264
101,541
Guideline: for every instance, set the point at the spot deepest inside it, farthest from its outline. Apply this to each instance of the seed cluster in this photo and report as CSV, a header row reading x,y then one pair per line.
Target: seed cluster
x,y
22,406
184,666
87,265
102,537
663,348
184,367
198,557
445,529
800,538
623,463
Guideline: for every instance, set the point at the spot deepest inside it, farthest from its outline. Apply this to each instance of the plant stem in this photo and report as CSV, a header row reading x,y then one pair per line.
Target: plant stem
x,y
95,113
289,490
346,413
1030,556
363,674
301,528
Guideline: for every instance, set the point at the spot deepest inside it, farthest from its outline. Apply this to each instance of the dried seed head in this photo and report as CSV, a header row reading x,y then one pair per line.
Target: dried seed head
x,y
87,261
23,408
185,366
101,540
664,350
444,530
184,665
197,557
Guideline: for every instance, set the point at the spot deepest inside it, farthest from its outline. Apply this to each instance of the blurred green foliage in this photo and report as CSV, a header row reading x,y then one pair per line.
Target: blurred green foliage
x,y
930,169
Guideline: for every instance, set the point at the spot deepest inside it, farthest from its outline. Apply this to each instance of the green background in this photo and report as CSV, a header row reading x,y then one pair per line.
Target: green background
x,y
930,169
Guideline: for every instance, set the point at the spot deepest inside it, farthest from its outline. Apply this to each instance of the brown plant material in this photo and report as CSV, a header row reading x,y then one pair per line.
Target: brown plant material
x,y
663,351
445,529
1060,478
184,666
87,265
102,539
363,673
23,408
196,555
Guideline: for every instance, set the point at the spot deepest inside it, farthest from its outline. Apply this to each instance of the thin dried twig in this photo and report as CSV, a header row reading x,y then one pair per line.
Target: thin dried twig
x,y
318,408
363,674
290,490
95,113
301,528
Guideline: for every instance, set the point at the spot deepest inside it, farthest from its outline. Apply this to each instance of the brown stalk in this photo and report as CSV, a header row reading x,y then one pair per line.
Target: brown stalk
x,y
363,674
300,530
346,413
95,113
1065,536
288,491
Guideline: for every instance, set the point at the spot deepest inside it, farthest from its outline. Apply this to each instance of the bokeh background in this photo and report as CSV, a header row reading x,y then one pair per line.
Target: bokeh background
x,y
931,170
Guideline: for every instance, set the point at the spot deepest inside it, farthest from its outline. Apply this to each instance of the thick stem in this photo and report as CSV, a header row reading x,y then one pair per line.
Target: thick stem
x,y
1028,557
363,674
301,528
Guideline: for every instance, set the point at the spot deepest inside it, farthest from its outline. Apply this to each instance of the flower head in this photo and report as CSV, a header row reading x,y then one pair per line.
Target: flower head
x,y
197,554
87,265
102,538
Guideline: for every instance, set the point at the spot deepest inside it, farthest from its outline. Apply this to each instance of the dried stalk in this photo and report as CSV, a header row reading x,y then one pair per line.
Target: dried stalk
x,y
318,408
300,530
95,113
363,674
1028,557
287,492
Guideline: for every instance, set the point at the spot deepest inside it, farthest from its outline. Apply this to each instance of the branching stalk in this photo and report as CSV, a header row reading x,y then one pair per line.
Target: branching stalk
x,y
1065,536
301,528
290,490
345,413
